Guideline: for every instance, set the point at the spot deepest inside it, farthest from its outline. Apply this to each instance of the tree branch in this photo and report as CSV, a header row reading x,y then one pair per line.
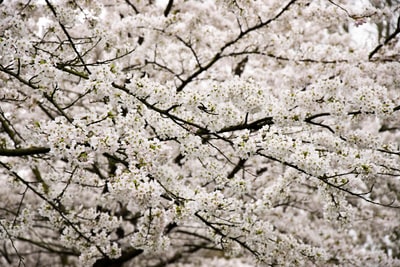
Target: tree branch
x,y
168,8
242,34
19,152
126,256
68,36
388,39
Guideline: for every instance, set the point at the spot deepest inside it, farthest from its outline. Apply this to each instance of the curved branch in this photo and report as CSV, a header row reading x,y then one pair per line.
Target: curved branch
x,y
338,187
219,55
132,6
310,120
388,39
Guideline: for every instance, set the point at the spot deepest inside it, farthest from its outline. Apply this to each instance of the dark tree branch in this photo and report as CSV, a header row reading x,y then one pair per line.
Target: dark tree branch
x,y
19,152
340,187
241,35
254,126
237,168
32,85
304,60
127,255
50,98
388,39
9,129
10,237
29,83
168,8
219,232
53,205
240,66
167,113
310,120
190,46
82,75
132,6
68,36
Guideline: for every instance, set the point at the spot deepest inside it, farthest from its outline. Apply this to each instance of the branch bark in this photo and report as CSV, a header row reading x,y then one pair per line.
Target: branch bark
x,y
18,152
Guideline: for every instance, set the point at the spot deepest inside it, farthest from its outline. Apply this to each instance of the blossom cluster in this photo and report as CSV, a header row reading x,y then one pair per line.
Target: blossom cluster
x,y
198,133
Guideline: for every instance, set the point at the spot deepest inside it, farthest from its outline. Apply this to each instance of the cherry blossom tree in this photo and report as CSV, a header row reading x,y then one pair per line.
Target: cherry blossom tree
x,y
199,133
